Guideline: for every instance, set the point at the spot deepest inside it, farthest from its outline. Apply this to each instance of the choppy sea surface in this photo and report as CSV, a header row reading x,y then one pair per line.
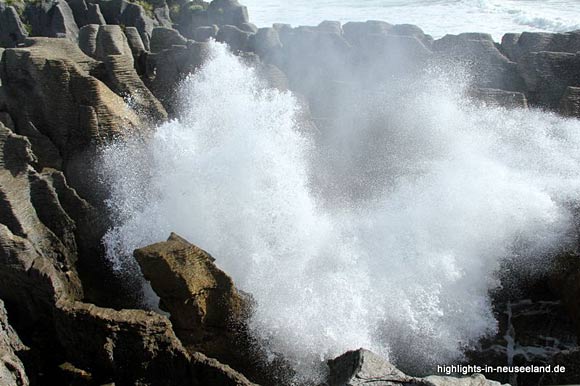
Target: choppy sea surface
x,y
436,17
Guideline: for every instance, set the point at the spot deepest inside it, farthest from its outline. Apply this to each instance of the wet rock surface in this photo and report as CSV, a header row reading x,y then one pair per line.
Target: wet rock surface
x,y
363,367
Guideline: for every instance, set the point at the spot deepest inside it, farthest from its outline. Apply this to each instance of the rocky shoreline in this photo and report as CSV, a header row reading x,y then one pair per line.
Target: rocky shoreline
x,y
75,75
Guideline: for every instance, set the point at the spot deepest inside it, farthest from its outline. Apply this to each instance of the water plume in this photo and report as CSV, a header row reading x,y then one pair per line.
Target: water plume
x,y
452,190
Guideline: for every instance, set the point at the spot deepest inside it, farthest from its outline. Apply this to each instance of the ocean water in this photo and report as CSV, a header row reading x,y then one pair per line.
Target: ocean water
x,y
457,189
436,17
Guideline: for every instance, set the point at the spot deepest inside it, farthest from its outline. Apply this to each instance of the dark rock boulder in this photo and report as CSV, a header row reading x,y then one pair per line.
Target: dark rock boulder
x,y
12,372
163,38
284,31
508,45
265,43
137,48
248,27
190,16
570,102
134,347
570,361
356,32
6,120
12,31
94,15
565,282
112,41
517,46
166,69
129,14
202,300
135,42
227,12
547,75
88,39
52,18
79,9
362,367
86,13
234,37
162,15
477,53
99,42
412,30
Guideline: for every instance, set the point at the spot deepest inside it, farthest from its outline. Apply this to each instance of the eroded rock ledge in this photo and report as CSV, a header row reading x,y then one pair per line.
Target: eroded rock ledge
x,y
204,304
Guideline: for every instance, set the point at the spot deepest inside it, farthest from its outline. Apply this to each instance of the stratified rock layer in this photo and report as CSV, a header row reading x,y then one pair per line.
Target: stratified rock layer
x,y
204,304
12,372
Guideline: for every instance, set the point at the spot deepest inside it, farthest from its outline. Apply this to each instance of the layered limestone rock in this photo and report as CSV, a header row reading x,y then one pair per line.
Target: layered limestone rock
x,y
265,42
163,38
218,12
137,49
166,69
363,367
356,32
86,13
236,38
134,347
12,372
516,46
162,14
570,102
12,31
478,53
49,85
129,14
227,12
547,75
39,249
204,304
99,42
135,42
124,80
53,18
108,43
